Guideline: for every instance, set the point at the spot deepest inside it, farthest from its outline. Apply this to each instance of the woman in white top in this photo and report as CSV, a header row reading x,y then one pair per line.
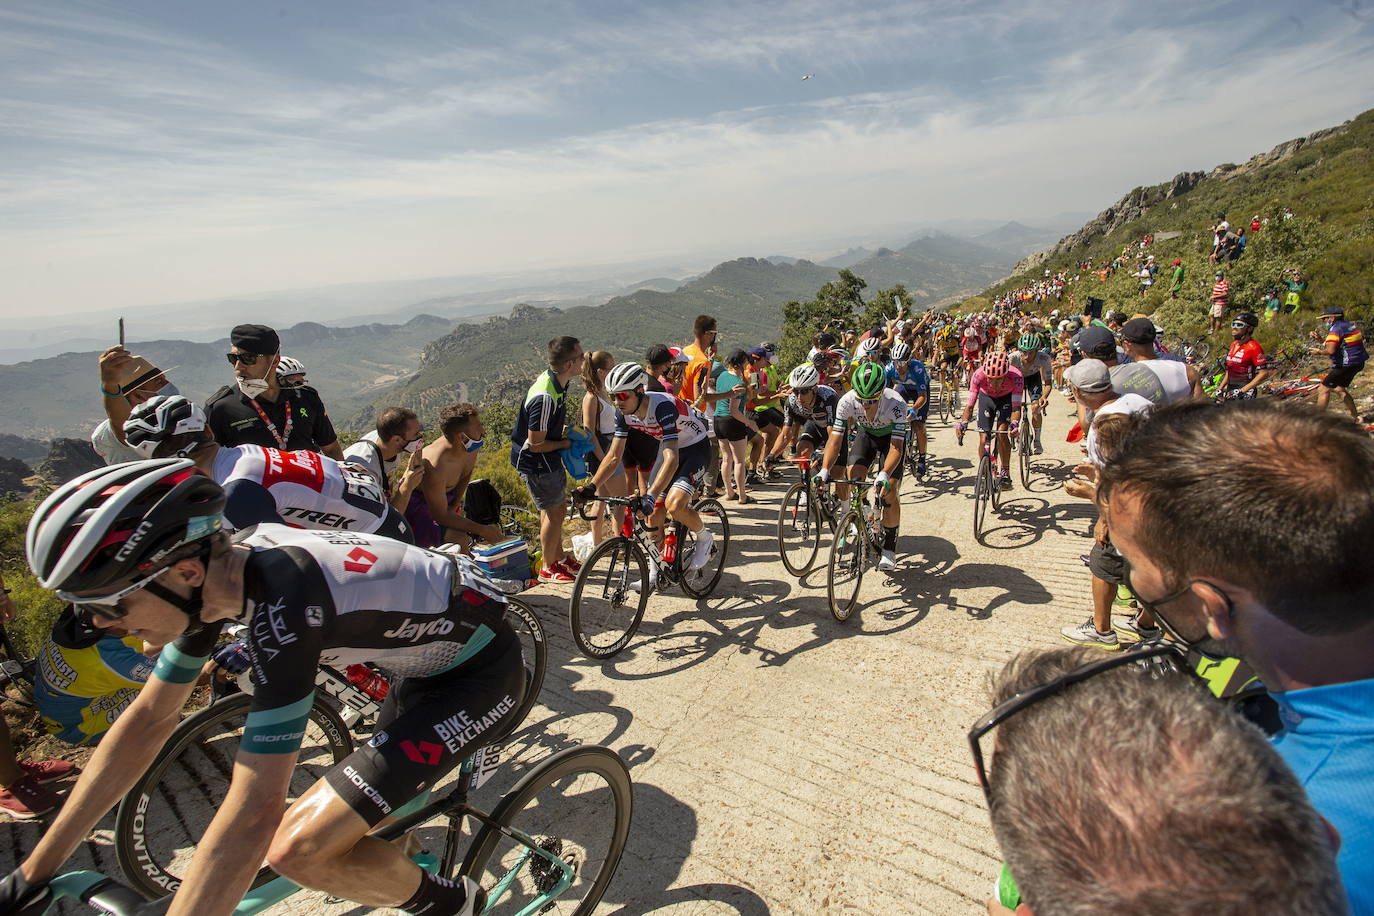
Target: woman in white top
x,y
599,417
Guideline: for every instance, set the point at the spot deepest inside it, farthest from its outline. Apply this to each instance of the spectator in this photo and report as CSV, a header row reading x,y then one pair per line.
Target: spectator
x,y
1195,497
696,388
259,411
434,510
1176,280
539,436
1271,303
765,383
1255,224
734,427
397,433
1189,810
23,791
1237,244
1297,285
86,677
1221,301
1160,380
1247,366
658,359
126,381
1344,344
1091,384
598,415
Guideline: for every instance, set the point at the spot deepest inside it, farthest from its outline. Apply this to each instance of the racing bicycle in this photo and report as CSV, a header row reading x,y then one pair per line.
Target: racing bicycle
x,y
1022,445
858,544
986,489
807,509
612,587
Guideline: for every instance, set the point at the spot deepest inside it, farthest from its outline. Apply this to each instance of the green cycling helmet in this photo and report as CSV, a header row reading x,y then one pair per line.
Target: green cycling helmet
x,y
1030,342
869,380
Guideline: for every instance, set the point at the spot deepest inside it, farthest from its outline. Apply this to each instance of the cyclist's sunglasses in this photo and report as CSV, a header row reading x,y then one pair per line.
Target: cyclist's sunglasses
x,y
248,359
1239,324
1027,698
108,607
623,395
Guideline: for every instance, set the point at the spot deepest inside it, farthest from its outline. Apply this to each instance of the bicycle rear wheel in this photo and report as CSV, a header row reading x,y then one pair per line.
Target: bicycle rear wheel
x,y
701,582
1202,349
799,530
609,597
845,570
983,486
577,806
161,819
1023,451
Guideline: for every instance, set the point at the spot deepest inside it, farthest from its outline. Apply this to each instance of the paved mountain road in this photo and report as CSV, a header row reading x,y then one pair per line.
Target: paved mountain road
x,y
787,763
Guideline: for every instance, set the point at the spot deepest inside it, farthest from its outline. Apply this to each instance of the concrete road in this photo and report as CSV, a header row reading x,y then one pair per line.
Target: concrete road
x,y
787,763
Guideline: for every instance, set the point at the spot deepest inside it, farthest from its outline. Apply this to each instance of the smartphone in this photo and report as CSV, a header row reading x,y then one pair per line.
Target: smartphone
x,y
121,332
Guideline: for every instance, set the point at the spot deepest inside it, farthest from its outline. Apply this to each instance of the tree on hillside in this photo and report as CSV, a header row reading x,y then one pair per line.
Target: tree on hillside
x,y
841,298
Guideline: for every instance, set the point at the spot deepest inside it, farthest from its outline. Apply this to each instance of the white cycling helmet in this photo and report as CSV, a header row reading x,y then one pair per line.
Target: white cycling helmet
x,y
900,352
288,366
870,348
626,377
158,419
804,376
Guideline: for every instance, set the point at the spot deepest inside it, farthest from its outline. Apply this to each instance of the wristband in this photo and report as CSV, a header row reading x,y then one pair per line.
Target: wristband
x,y
118,392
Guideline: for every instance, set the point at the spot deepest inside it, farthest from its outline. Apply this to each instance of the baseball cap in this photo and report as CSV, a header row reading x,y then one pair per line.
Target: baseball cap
x,y
1176,262
1334,311
255,338
1138,330
1093,340
1089,376
758,353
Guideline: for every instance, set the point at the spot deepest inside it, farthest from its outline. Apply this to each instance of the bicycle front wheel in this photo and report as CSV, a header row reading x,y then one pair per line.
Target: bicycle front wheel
x,y
983,486
609,598
1023,452
845,571
161,819
534,655
576,806
799,530
702,581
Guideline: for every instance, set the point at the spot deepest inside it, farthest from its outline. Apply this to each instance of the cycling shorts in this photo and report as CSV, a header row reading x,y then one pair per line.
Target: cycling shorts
x,y
818,435
993,410
1341,377
430,725
769,416
1035,388
870,450
691,466
950,359
641,451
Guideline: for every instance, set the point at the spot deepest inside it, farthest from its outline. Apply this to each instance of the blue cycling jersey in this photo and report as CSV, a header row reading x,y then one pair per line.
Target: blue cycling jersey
x,y
915,381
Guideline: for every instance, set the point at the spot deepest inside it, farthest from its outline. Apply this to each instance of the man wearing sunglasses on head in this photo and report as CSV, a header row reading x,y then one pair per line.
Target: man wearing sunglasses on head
x,y
258,411
1246,531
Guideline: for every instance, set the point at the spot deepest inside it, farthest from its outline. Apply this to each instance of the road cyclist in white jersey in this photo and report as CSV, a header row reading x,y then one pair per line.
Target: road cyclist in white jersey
x,y
877,416
684,450
1032,359
139,545
301,489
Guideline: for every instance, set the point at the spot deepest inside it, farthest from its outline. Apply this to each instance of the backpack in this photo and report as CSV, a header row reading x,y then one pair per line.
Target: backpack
x,y
482,502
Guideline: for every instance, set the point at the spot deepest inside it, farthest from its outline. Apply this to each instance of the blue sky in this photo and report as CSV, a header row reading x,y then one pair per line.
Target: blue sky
x,y
155,152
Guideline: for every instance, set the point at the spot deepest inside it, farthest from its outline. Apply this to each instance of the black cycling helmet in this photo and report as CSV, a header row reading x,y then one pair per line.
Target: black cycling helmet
x,y
1249,318
122,524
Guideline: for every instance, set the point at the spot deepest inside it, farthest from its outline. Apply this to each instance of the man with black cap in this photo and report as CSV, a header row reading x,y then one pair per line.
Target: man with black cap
x,y
1344,345
1159,380
259,411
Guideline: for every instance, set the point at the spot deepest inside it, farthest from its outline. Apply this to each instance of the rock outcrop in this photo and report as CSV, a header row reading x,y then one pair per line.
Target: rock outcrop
x,y
68,458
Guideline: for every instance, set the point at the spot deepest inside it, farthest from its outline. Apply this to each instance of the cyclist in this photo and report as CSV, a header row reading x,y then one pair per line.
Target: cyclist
x,y
879,420
680,430
1032,360
810,409
301,489
947,350
833,368
290,373
1247,366
970,346
996,388
908,377
140,544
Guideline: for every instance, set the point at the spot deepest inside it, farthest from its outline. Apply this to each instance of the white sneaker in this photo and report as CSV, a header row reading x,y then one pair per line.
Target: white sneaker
x,y
633,584
887,561
702,552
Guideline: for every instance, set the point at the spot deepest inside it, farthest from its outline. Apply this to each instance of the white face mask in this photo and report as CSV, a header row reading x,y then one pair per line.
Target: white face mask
x,y
252,387
414,445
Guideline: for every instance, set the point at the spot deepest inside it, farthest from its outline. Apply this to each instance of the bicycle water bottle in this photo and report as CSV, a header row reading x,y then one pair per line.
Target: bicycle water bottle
x,y
368,681
670,544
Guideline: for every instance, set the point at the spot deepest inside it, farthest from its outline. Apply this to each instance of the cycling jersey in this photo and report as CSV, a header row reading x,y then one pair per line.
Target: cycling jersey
x,y
81,690
302,489
911,384
822,410
1349,340
889,417
1039,367
668,419
1010,384
1244,361
341,598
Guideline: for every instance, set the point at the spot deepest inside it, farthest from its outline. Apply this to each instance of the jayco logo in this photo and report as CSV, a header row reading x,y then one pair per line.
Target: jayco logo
x,y
412,631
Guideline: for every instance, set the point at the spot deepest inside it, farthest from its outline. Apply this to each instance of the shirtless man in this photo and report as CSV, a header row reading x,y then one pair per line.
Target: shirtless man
x,y
434,510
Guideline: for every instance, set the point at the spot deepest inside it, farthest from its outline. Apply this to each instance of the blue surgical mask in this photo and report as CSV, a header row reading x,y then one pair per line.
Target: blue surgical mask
x,y
169,390
471,445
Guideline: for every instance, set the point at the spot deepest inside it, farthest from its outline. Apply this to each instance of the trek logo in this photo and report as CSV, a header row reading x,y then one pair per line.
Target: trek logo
x,y
421,752
315,517
133,540
360,561
412,631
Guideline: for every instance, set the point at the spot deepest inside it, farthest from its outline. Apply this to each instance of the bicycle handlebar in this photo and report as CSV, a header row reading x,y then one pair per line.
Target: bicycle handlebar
x,y
105,893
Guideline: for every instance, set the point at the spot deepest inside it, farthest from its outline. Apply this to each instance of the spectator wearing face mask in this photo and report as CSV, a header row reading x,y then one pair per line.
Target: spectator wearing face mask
x,y
435,510
397,433
126,381
258,410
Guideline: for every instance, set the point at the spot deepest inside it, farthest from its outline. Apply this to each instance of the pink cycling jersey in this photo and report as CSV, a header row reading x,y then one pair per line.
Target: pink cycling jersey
x,y
1010,384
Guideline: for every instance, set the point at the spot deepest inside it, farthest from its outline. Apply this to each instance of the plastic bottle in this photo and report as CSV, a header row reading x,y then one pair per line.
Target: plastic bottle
x,y
670,544
368,681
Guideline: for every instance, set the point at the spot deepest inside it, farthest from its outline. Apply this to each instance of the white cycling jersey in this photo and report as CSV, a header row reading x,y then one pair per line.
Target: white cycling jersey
x,y
668,419
890,417
309,490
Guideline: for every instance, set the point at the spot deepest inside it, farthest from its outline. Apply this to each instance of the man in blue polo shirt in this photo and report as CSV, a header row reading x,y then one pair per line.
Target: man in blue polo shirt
x,y
1194,497
535,445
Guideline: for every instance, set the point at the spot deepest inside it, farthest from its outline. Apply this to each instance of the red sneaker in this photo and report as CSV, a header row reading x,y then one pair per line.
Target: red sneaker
x,y
49,770
26,799
556,574
570,563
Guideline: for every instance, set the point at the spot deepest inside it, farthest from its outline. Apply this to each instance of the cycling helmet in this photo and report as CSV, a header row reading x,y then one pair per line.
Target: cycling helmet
x,y
158,419
288,366
626,377
870,347
868,380
996,365
678,356
1248,318
1029,342
901,352
804,376
121,524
